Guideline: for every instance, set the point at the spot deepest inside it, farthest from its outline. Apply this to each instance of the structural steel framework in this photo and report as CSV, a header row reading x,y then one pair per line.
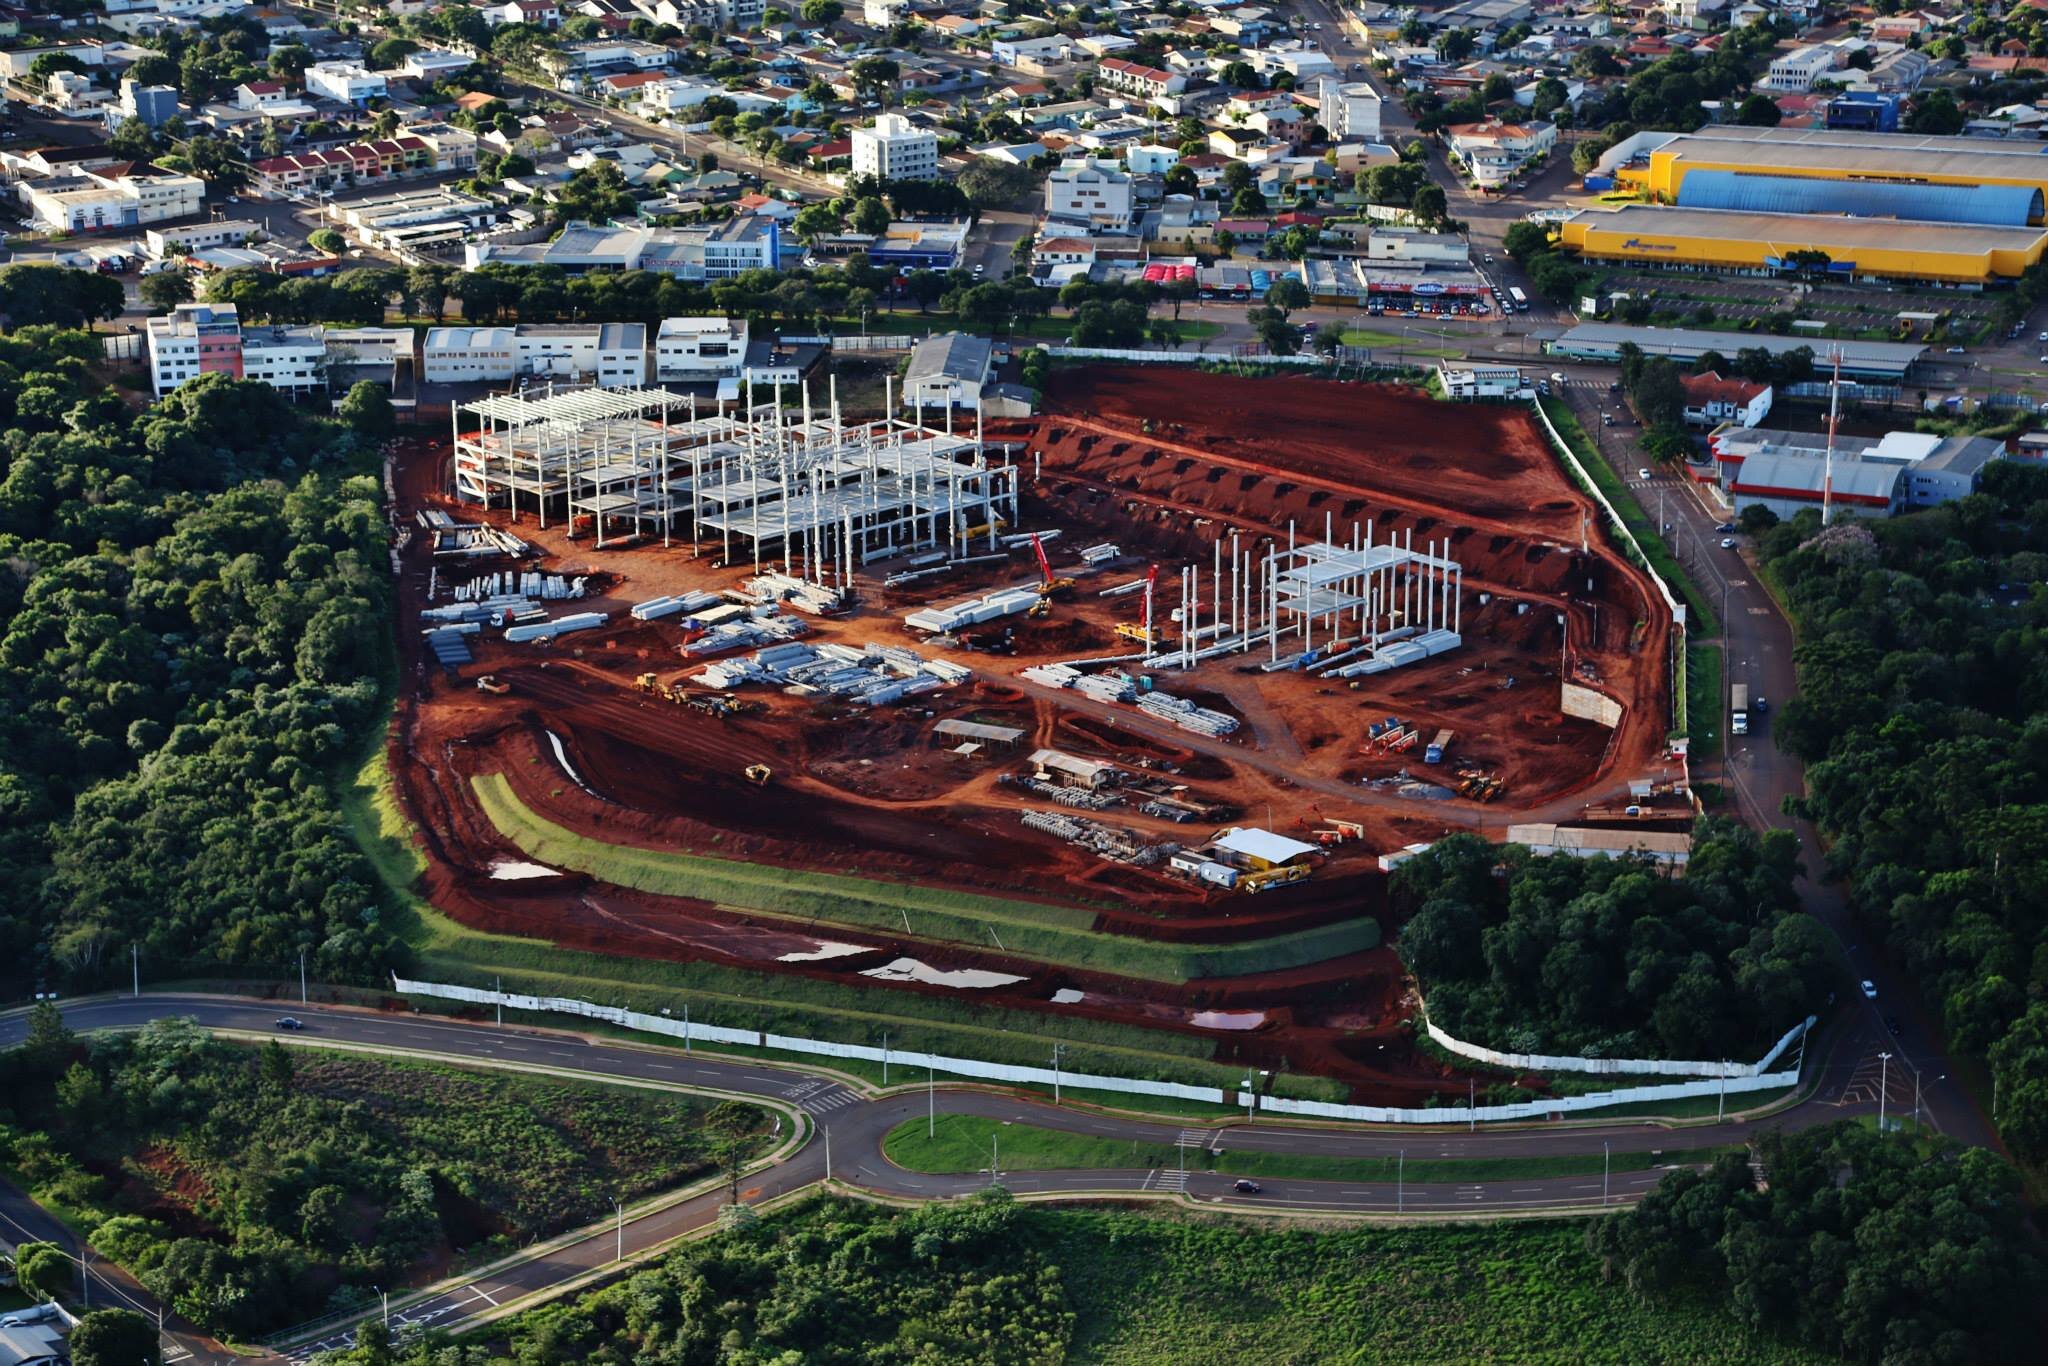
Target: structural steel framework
x,y
767,481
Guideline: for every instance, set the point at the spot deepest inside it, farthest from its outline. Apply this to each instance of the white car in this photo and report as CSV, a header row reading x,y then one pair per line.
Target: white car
x,y
1869,989
1955,351
1557,377
1727,543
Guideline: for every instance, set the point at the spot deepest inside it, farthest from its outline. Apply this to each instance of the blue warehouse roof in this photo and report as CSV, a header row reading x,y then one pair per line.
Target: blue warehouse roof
x,y
2011,206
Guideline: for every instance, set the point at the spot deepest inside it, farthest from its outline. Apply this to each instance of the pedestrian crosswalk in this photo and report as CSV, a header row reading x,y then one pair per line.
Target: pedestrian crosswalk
x,y
818,1096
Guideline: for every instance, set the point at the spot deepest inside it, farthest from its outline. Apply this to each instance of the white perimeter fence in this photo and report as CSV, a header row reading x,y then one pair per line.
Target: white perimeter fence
x,y
1586,481
1755,1080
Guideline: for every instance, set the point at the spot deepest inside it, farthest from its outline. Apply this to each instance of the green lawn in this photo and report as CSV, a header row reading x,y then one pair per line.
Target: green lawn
x,y
1703,622
1703,699
1041,930
962,1144
1414,345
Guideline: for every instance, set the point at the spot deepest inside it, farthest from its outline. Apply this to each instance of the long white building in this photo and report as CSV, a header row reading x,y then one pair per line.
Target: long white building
x,y
611,355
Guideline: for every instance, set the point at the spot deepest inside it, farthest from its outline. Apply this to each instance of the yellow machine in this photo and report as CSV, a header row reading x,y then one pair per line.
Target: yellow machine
x,y
1253,883
647,683
759,774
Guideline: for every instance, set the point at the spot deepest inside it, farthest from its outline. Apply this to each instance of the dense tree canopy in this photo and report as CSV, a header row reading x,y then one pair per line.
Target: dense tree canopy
x,y
1614,957
1858,1245
1923,715
192,625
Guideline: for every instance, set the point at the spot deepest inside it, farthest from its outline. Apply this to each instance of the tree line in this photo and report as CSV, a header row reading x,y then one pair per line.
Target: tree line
x,y
1614,957
194,609
1922,714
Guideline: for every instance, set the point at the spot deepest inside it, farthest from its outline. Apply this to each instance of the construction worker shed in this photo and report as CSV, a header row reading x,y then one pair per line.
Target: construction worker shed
x,y
1072,770
1261,849
974,730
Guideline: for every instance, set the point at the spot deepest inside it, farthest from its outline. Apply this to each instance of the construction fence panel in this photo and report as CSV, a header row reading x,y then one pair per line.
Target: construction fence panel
x,y
1170,357
1528,1109
703,1033
1664,1067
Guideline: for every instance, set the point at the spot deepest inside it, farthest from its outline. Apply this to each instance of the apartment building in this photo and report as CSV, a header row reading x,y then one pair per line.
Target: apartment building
x,y
1349,111
1135,78
1795,72
1089,192
204,339
689,350
894,148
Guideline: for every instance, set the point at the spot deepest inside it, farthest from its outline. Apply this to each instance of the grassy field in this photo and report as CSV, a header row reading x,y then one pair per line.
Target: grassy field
x,y
1040,930
1417,344
1702,620
1703,699
1183,1290
962,1143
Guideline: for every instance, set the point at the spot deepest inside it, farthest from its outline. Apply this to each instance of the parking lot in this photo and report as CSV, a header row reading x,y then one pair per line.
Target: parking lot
x,y
1869,312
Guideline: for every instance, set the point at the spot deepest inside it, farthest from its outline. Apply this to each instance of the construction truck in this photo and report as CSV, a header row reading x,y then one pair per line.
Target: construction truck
x,y
1438,747
1738,709
1254,883
759,774
647,683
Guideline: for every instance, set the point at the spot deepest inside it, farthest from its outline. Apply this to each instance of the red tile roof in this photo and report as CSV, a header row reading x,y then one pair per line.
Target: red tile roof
x,y
1712,388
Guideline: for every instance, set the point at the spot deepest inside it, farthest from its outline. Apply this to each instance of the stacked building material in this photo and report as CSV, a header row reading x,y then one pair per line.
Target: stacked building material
x,y
656,608
1051,675
1110,687
1187,715
450,644
560,626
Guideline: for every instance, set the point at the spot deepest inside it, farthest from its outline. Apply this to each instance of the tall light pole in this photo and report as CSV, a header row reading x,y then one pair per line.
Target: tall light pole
x,y
885,1057
619,1255
135,959
1606,1168
931,1100
1401,1181
302,977
1884,1074
1058,1050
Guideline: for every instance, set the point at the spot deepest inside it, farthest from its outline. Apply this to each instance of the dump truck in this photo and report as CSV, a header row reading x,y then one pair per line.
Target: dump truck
x,y
1437,748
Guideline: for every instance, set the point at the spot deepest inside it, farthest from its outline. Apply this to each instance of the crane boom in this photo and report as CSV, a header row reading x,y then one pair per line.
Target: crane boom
x,y
1044,565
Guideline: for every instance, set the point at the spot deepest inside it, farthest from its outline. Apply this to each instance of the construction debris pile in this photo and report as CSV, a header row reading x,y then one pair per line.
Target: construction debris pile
x,y
468,540
871,676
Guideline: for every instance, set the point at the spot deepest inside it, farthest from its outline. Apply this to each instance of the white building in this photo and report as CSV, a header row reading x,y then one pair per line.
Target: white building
x,y
1495,152
1349,111
1089,192
675,93
611,355
162,242
1135,78
1150,159
432,63
293,359
882,13
1795,72
895,149
1466,383
1032,53
344,82
699,349
200,339
95,201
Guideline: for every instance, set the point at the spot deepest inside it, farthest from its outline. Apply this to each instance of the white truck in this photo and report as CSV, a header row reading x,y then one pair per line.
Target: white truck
x,y
1738,709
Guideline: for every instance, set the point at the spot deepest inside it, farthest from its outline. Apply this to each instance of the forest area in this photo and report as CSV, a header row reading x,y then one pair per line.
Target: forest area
x,y
1923,717
252,1189
193,609
1614,957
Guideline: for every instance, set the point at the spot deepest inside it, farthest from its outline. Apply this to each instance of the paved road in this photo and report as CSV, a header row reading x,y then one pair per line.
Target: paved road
x,y
848,1125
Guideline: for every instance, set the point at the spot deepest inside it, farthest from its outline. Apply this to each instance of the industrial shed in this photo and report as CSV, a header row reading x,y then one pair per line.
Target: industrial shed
x,y
2002,206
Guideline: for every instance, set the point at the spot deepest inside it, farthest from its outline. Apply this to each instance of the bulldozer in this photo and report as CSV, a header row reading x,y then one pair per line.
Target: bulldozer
x,y
759,774
647,683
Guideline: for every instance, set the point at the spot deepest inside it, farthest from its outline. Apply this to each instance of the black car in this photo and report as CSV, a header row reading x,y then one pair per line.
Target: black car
x,y
1246,1187
1891,1022
289,1023
1725,527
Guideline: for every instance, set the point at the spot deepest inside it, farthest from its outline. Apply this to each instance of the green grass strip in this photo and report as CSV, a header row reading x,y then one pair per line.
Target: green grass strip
x,y
1044,931
1703,699
959,1144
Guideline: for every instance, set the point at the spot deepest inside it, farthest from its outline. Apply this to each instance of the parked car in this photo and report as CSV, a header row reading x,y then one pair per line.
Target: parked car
x,y
1869,989
1891,1022
1727,543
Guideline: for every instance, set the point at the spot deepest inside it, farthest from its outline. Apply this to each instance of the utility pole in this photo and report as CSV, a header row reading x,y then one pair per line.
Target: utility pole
x,y
1472,1104
498,990
885,1057
1721,1110
619,1255
931,1099
302,977
686,1028
1606,1168
828,1152
1401,1181
1057,1050
1884,1074
135,959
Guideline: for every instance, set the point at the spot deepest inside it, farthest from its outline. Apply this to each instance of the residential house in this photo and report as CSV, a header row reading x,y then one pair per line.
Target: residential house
x,y
1710,400
1493,152
262,95
540,13
948,370
345,83
1149,83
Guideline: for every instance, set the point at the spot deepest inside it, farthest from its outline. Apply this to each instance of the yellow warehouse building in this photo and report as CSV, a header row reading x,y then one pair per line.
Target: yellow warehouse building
x,y
1880,158
1767,243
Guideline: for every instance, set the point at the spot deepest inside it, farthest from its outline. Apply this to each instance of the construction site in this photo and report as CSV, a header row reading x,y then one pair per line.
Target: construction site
x,y
1107,714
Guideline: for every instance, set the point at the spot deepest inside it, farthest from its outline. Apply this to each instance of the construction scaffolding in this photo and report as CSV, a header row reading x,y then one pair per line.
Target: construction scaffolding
x,y
768,482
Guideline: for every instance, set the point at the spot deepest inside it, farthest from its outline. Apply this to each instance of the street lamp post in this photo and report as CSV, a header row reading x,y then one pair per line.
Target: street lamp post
x,y
1606,1169
1401,1181
619,1253
1884,1074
